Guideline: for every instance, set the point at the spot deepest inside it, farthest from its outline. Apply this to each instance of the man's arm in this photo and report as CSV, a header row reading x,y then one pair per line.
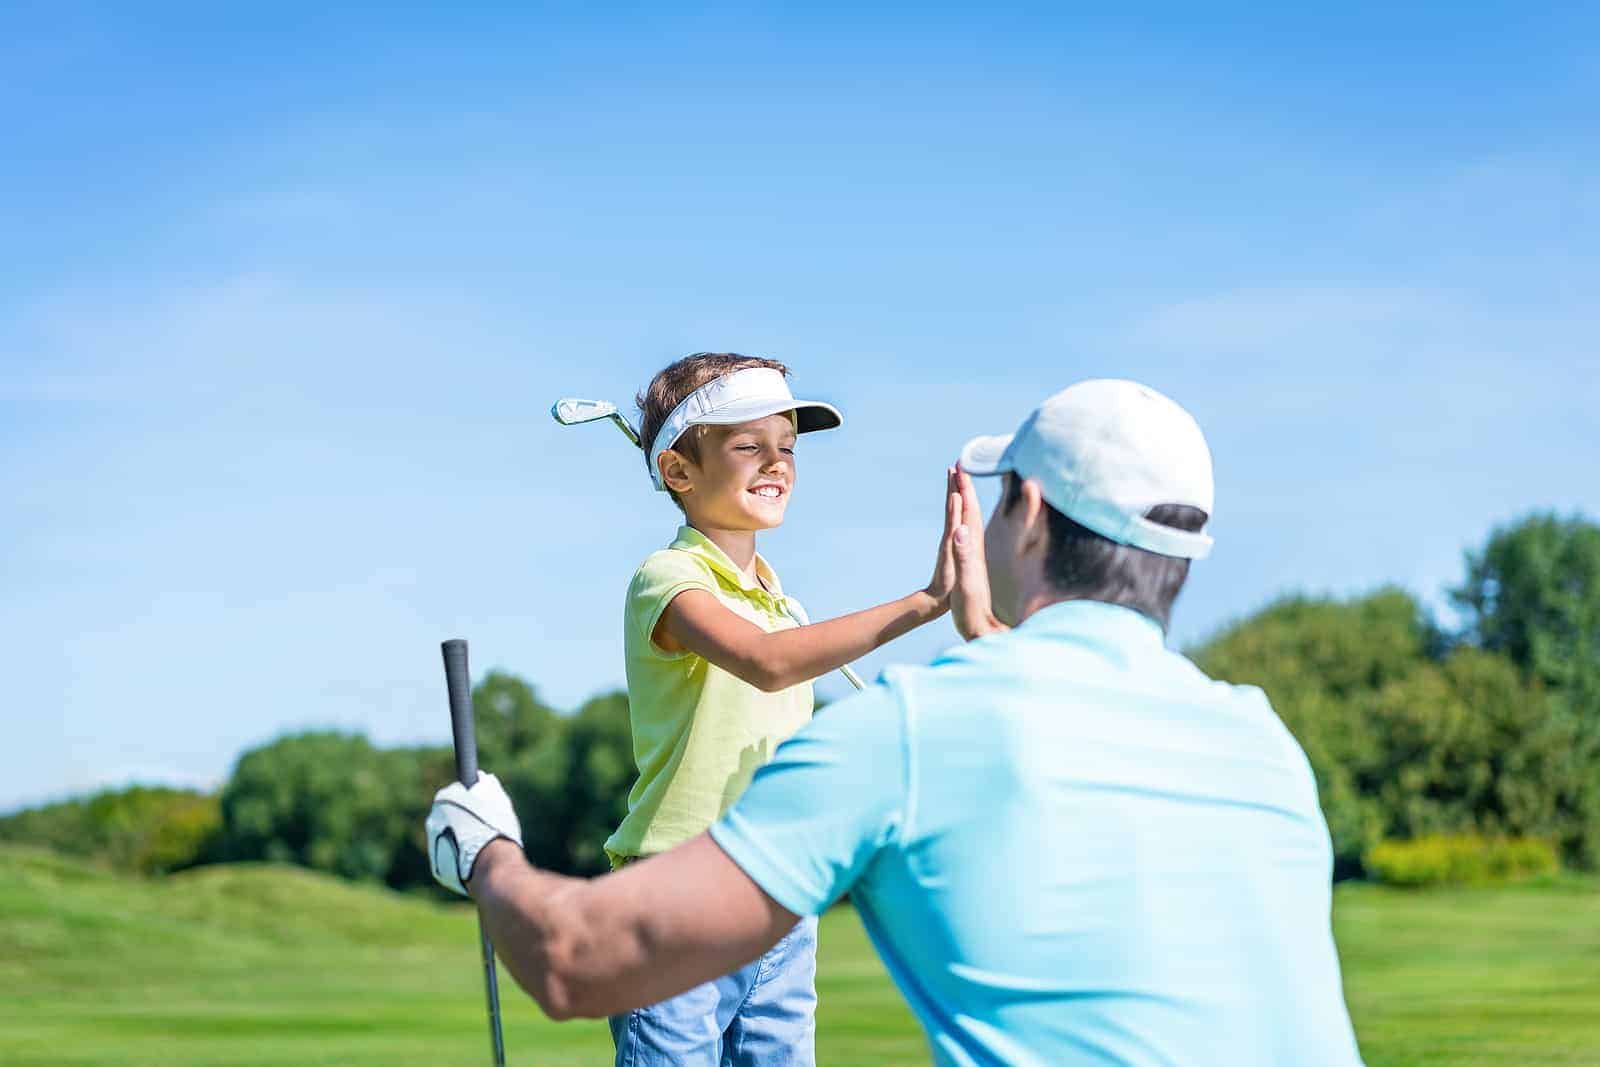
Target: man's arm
x,y
806,830
653,929
696,621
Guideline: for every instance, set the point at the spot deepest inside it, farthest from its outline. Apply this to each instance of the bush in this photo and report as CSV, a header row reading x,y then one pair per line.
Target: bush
x,y
144,829
1460,859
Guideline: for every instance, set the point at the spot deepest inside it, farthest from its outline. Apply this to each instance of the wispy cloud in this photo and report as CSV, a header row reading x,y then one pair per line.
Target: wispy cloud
x,y
1293,318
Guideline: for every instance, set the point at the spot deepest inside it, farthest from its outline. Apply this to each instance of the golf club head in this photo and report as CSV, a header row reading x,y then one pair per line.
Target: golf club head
x,y
571,411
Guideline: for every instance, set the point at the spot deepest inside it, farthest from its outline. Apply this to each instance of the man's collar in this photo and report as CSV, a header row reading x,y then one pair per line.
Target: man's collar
x,y
1094,617
691,540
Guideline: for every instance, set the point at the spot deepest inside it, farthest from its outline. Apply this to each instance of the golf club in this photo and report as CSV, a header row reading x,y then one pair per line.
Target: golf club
x,y
458,683
570,411
798,614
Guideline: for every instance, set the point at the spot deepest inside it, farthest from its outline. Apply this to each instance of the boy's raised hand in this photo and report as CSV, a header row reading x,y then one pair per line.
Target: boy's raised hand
x,y
970,605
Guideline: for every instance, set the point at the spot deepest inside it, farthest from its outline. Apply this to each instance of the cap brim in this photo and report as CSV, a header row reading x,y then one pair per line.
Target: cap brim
x,y
809,414
985,456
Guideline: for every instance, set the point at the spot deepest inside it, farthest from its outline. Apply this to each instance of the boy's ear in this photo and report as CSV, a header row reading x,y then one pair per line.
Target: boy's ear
x,y
673,474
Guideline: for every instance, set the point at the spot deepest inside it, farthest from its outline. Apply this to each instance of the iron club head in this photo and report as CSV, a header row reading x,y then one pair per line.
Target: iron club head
x,y
571,411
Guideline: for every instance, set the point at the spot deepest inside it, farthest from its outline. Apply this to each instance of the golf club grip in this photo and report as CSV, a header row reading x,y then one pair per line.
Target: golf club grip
x,y
458,681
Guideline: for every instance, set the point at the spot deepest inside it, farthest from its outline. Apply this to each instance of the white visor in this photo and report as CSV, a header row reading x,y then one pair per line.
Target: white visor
x,y
752,393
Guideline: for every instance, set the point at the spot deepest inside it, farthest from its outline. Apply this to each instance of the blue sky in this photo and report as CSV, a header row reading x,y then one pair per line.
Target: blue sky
x,y
285,298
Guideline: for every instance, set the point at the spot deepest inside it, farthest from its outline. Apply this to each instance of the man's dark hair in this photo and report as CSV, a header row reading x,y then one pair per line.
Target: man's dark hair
x,y
1086,566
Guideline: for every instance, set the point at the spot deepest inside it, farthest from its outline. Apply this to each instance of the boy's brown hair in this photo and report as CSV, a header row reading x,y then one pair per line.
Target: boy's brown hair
x,y
668,388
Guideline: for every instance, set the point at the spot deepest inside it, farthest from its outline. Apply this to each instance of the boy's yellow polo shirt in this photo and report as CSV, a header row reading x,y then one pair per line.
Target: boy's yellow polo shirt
x,y
699,733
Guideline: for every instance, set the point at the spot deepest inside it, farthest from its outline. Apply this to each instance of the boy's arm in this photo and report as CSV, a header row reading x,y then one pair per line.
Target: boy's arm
x,y
696,621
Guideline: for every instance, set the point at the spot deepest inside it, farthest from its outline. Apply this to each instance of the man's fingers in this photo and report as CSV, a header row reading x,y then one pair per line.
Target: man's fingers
x,y
972,511
970,569
971,518
969,600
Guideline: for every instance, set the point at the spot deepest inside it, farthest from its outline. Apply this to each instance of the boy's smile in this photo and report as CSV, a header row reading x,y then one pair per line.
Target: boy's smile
x,y
745,474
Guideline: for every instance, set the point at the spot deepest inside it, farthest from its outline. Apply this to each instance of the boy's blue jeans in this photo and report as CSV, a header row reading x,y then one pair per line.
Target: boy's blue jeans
x,y
762,1014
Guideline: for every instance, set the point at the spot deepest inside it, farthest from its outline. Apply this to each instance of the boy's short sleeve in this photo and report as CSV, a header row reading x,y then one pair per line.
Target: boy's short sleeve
x,y
833,797
661,577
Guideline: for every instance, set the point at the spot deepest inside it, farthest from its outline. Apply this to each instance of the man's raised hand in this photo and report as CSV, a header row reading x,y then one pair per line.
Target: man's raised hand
x,y
970,605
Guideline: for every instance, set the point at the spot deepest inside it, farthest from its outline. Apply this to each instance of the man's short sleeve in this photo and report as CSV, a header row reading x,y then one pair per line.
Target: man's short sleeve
x,y
662,576
834,795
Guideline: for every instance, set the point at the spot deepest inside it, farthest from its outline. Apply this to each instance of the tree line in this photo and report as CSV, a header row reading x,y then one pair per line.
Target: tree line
x,y
1415,731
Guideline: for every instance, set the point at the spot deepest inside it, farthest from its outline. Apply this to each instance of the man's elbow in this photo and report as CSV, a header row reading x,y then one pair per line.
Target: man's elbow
x,y
564,1000
556,1003
559,990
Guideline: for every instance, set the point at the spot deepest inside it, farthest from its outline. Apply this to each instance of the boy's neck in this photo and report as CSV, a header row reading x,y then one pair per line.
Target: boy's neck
x,y
737,545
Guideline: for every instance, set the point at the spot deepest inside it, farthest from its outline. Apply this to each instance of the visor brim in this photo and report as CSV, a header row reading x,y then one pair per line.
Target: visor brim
x,y
809,415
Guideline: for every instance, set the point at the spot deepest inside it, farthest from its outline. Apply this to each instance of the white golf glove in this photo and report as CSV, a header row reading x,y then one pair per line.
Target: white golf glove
x,y
461,822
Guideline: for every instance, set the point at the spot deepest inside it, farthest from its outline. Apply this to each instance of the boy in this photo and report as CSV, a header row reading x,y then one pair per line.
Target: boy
x,y
719,674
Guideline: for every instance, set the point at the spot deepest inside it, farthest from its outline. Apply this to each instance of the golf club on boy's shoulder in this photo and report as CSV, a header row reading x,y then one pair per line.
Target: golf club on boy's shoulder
x,y
572,411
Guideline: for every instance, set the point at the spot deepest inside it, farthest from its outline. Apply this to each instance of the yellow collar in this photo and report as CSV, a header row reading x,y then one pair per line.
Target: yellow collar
x,y
693,541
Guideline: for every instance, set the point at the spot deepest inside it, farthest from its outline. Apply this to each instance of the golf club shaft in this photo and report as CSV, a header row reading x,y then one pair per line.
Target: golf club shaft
x,y
458,683
793,609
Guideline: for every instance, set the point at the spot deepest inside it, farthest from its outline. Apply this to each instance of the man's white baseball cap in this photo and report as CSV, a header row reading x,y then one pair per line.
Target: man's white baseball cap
x,y
744,395
1104,452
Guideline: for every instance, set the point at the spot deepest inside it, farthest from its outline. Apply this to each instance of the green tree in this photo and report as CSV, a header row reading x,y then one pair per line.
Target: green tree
x,y
1405,744
511,719
329,801
599,773
334,802
1533,593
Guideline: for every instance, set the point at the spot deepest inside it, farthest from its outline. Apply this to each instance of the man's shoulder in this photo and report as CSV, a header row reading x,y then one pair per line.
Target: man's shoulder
x,y
988,664
1220,690
978,663
1001,653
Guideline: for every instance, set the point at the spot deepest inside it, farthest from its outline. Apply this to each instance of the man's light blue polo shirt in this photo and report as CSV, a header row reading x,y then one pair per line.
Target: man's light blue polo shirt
x,y
1069,846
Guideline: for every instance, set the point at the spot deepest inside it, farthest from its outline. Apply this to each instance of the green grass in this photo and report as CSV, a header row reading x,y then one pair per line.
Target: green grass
x,y
253,965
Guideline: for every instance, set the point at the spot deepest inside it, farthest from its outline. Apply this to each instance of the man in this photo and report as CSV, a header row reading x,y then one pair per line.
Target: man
x,y
1068,845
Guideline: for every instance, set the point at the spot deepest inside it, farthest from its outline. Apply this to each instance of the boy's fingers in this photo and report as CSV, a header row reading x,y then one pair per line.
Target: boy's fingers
x,y
952,515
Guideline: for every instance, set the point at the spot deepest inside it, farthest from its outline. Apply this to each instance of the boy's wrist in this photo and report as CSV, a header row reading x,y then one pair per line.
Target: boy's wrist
x,y
927,605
